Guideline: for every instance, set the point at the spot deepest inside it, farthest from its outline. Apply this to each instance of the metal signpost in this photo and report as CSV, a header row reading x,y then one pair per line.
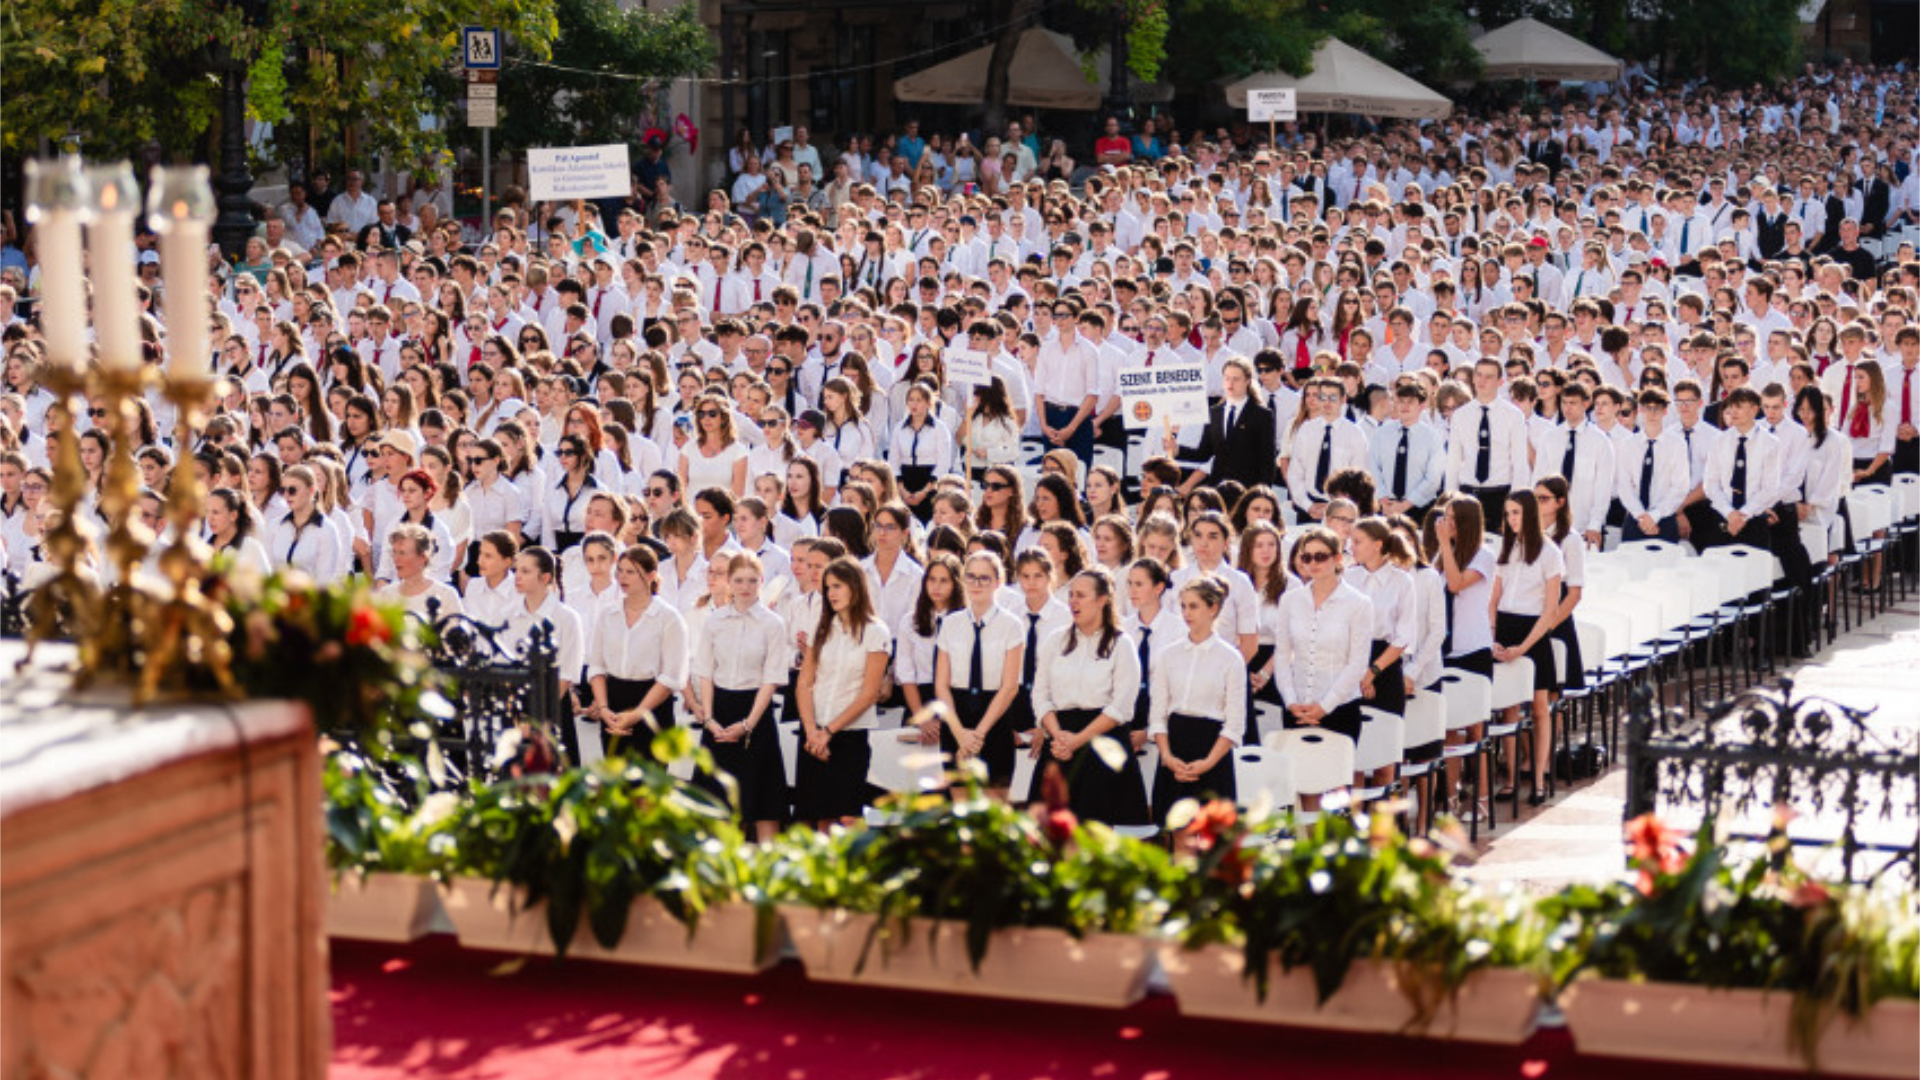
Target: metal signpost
x,y
480,56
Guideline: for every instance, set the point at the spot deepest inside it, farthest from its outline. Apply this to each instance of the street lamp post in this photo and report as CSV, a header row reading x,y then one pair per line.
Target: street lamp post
x,y
235,182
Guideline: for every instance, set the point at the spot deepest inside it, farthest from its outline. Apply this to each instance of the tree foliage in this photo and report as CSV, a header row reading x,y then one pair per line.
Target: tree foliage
x,y
638,51
1230,39
1427,40
114,75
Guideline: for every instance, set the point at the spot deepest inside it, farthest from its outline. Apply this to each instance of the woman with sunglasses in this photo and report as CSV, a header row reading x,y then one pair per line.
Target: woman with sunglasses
x,y
1322,641
564,509
1002,503
717,458
304,538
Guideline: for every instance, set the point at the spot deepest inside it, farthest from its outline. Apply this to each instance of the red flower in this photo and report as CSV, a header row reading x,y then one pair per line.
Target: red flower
x,y
366,626
1213,819
1656,850
1059,826
1809,894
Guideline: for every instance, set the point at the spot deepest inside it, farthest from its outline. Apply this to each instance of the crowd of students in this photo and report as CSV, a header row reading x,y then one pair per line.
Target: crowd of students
x,y
721,460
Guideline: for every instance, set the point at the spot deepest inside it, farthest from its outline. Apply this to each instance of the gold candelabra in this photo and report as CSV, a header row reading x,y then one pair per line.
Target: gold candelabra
x,y
126,624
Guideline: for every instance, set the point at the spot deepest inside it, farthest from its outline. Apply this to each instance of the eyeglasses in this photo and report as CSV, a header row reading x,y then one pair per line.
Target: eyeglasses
x,y
96,412
978,579
1313,558
996,485
1342,520
289,491
657,493
567,453
709,414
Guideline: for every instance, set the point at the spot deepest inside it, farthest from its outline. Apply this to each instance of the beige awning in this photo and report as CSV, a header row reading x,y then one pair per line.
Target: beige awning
x,y
1045,74
1526,49
1346,80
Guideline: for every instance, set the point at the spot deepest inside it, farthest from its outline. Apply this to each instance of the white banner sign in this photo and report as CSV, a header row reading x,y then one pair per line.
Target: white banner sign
x,y
1269,105
566,173
1164,393
966,367
483,112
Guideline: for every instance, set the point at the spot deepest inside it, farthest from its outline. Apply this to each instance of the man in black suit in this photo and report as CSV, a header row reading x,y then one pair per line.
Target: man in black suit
x,y
1544,149
1876,201
1239,435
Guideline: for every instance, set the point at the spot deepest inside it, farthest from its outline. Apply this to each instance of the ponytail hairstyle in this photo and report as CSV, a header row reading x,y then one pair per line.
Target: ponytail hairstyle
x,y
1109,621
1392,544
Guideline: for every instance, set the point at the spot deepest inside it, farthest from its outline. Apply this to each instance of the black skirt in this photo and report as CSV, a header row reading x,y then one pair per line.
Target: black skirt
x,y
1479,662
1576,673
1344,719
913,480
1881,475
1191,738
1094,791
1509,630
1390,686
997,754
754,763
624,694
837,787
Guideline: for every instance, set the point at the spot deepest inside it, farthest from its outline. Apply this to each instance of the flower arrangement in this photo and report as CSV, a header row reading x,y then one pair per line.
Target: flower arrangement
x,y
962,856
372,828
1706,918
589,842
1341,890
359,663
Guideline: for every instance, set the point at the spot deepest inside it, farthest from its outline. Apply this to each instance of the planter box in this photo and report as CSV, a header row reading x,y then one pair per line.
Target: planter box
x,y
382,907
1745,1028
733,937
1493,1006
1102,970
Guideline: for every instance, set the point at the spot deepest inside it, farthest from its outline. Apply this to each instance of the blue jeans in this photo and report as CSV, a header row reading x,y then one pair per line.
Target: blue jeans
x,y
1081,441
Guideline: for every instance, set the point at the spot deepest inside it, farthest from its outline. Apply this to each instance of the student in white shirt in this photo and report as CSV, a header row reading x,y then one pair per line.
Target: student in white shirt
x,y
921,450
410,547
846,661
739,660
1451,537
489,595
540,605
230,526
1263,559
1084,688
1526,598
1323,641
304,539
1199,710
980,650
1376,573
1556,519
683,576
915,653
1651,478
1154,624
639,659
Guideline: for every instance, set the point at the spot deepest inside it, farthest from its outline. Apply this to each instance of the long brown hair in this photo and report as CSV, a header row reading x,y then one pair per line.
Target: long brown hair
x,y
926,619
1109,620
859,610
1276,581
1530,538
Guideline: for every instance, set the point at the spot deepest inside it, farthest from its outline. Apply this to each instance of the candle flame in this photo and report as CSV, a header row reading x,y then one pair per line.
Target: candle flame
x,y
180,208
109,197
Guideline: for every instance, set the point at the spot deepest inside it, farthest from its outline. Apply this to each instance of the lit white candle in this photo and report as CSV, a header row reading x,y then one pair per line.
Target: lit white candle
x,y
180,208
58,202
116,309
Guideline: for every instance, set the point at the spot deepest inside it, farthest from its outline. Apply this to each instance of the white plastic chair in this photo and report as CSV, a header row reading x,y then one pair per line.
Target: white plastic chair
x,y
1381,746
903,767
1263,777
1469,701
1322,761
1425,722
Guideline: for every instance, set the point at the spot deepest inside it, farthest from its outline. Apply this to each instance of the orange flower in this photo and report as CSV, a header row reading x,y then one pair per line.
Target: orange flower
x,y
1213,819
366,626
1656,850
1059,825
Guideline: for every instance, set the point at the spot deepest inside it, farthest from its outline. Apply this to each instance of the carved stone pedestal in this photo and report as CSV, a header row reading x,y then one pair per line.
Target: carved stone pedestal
x,y
162,888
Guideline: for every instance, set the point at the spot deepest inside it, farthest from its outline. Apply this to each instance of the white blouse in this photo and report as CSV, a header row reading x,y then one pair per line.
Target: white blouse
x,y
1523,585
841,670
1239,612
316,549
1081,679
742,650
490,604
1430,590
1323,649
569,640
681,593
1000,633
654,646
1205,679
1472,629
1395,605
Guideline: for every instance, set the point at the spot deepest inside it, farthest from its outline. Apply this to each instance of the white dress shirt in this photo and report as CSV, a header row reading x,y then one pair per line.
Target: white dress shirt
x,y
1082,679
1590,488
1763,472
1669,484
653,646
1396,607
569,638
1322,650
1523,584
742,650
1507,457
490,605
1350,451
842,669
1207,679
1001,631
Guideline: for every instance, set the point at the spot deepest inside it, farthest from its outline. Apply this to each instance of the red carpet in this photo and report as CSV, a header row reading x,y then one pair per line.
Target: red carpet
x,y
434,1010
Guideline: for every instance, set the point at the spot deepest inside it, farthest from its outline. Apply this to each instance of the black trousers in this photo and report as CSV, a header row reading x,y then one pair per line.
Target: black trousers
x,y
1493,505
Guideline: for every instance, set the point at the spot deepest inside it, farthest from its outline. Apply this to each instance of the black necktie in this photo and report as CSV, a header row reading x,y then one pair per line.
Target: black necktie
x,y
1567,459
1033,650
1646,479
1446,640
1483,464
1400,466
976,659
1325,464
1739,484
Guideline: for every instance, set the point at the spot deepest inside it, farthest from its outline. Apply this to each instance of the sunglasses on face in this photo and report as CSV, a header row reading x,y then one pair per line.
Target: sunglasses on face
x,y
567,453
657,493
996,485
1314,558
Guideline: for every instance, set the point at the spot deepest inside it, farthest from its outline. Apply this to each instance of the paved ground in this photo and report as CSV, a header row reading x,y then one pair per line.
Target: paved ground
x,y
1577,836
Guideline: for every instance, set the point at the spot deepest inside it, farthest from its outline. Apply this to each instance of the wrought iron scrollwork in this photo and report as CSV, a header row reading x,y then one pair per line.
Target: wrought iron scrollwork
x,y
499,686
1766,749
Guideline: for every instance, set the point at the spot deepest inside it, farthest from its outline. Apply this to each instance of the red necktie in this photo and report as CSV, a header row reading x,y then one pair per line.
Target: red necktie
x,y
263,356
1906,396
598,295
1149,357
756,290
1846,391
716,294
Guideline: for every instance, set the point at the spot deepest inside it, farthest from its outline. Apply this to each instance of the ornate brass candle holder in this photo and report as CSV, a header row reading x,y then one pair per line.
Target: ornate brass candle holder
x,y
69,603
186,630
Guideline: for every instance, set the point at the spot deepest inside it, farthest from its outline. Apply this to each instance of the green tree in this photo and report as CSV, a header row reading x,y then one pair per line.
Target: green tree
x,y
1430,40
616,62
1231,39
112,75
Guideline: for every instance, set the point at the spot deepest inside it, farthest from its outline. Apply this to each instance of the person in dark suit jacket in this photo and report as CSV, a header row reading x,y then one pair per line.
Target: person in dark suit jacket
x,y
1876,202
1544,149
1239,436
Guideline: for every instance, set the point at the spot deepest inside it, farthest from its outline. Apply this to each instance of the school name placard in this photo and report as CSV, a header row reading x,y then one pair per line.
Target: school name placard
x,y
1163,393
565,173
